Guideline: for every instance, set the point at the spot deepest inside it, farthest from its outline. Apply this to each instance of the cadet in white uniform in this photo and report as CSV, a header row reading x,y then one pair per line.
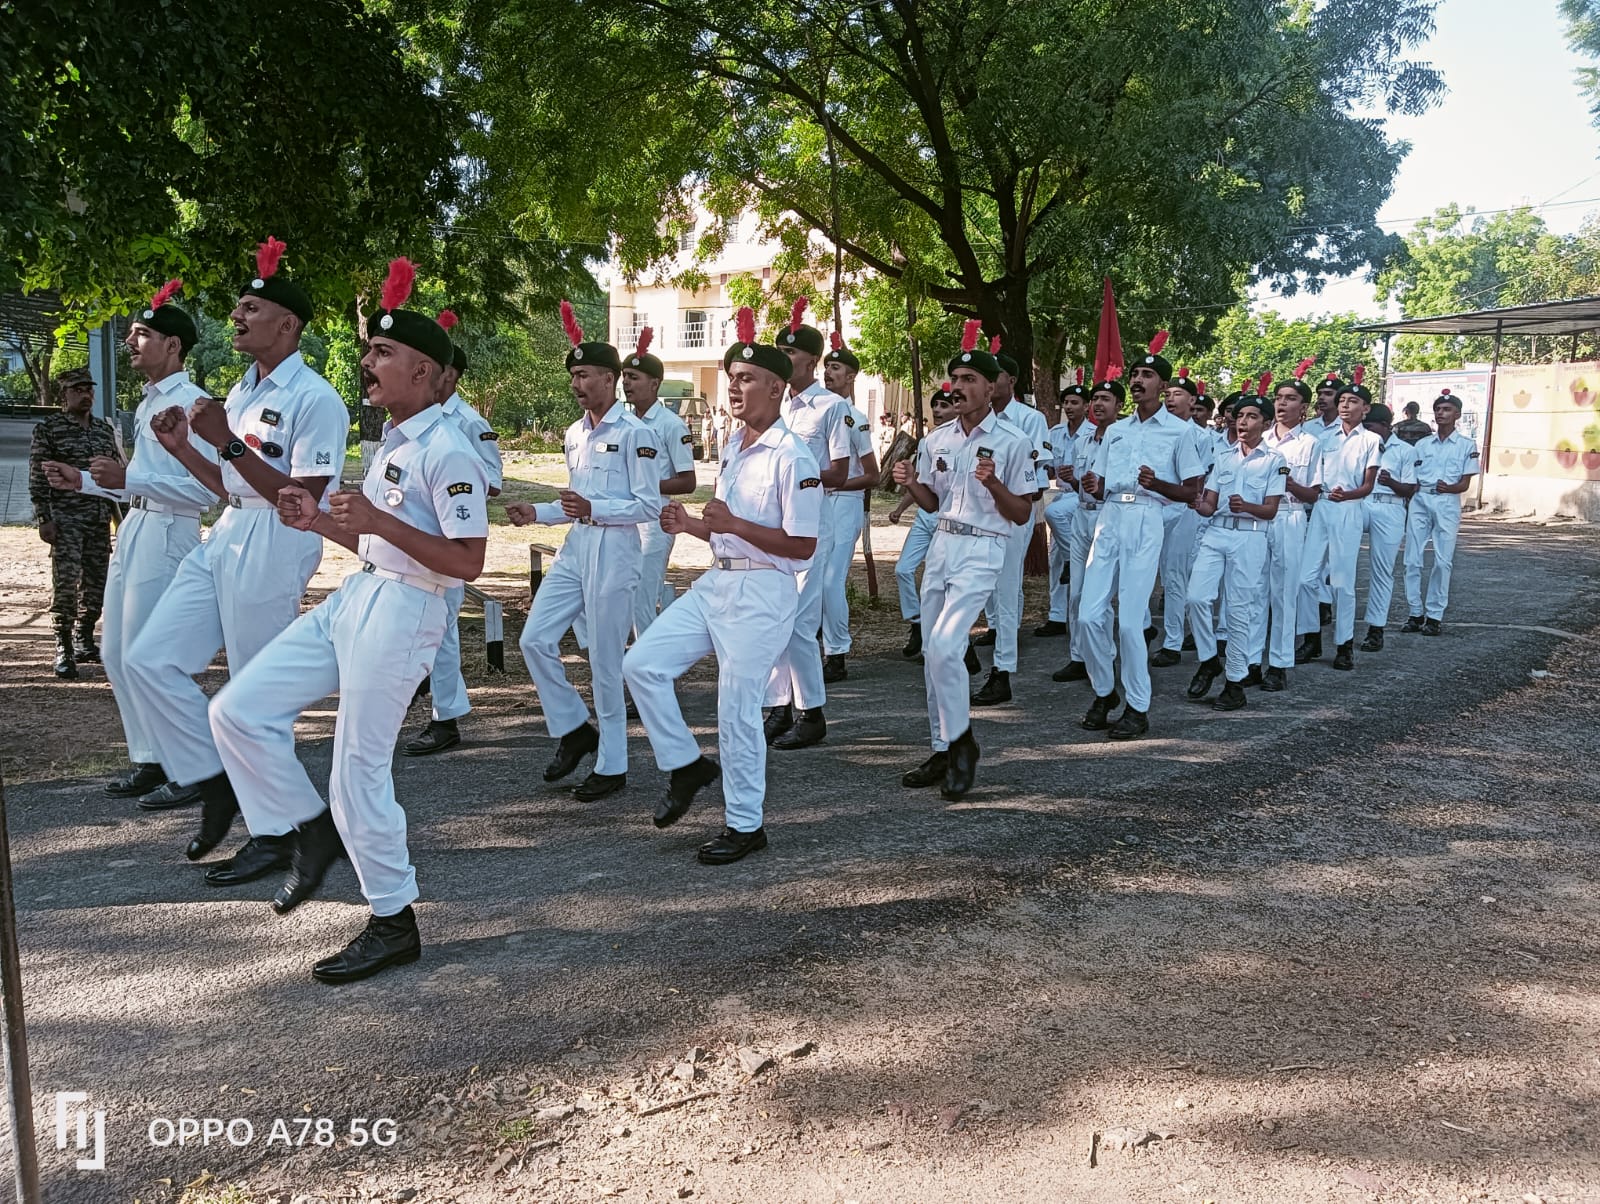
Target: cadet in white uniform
x,y
614,469
1241,497
1386,519
420,526
448,686
1181,536
1448,460
817,415
1278,617
1063,505
846,511
282,424
915,549
1147,463
762,528
978,474
1105,406
642,374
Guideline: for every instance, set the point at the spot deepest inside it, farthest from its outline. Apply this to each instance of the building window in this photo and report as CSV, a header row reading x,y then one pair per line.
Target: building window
x,y
686,240
872,397
766,273
723,279
696,329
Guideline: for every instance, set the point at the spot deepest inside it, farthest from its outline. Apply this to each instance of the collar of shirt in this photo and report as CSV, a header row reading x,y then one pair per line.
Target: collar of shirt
x,y
411,429
455,403
167,383
590,422
280,376
812,394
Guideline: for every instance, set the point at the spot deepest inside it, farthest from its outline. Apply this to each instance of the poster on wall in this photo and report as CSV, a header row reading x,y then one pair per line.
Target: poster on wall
x,y
1471,386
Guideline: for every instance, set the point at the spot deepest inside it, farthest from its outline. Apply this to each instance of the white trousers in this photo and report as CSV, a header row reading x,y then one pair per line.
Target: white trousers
x,y
1004,605
912,553
150,548
448,686
1083,525
1280,583
1228,562
1436,517
1122,566
236,591
797,675
593,576
1333,545
372,641
845,515
733,614
960,573
1182,533
1386,525
1058,517
655,550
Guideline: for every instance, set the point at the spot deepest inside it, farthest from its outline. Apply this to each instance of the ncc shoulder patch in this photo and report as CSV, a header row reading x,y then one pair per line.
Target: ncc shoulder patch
x,y
1283,470
647,453
1473,454
459,487
849,420
810,482
687,439
1048,446
490,437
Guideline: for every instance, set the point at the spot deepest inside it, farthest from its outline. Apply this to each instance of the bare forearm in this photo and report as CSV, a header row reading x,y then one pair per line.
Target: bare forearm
x,y
924,497
330,530
833,476
207,472
772,540
1014,509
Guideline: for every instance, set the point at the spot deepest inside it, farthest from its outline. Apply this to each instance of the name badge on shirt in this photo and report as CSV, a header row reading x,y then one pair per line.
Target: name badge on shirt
x,y
985,453
611,447
392,472
271,417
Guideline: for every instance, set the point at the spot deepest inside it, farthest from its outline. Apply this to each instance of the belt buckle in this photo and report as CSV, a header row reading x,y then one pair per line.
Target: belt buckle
x,y
368,567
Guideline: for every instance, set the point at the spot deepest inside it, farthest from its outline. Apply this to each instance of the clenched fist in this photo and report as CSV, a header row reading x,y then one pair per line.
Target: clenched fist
x,y
208,418
296,507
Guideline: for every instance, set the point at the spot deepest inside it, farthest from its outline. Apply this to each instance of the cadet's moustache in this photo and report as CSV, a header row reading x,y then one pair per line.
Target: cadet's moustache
x,y
368,379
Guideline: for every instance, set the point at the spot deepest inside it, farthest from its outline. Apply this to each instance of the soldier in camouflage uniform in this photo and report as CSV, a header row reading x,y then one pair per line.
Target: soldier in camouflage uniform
x,y
77,527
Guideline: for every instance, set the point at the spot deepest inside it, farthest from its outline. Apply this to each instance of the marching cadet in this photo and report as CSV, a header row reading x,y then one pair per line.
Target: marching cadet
x,y
1147,463
1325,405
1241,497
1063,505
762,527
915,549
420,525
978,474
1447,461
817,415
162,526
449,687
282,424
846,510
613,466
642,374
1386,516
1105,406
1005,606
77,526
1333,539
1181,535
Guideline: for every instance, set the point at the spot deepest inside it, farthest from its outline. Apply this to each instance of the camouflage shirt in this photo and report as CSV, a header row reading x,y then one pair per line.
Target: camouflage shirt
x,y
60,438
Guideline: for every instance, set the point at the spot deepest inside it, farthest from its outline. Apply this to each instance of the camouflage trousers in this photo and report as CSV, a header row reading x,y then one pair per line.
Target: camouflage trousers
x,y
78,563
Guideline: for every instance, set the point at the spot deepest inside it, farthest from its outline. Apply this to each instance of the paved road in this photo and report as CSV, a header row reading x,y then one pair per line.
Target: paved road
x,y
550,924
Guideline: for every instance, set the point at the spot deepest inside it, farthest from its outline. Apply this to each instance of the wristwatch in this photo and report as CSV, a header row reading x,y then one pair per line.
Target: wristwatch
x,y
232,449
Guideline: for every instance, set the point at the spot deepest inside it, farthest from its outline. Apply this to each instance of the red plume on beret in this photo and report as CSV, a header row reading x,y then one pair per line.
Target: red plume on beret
x,y
945,386
795,311
397,287
994,345
1266,383
969,334
1249,383
645,336
1444,392
745,324
1183,374
1114,372
1080,376
1357,376
1303,367
569,323
1201,385
267,256
166,292
836,340
1157,343
447,319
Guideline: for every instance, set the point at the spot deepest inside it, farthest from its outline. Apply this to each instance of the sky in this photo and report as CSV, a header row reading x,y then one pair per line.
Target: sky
x,y
1513,130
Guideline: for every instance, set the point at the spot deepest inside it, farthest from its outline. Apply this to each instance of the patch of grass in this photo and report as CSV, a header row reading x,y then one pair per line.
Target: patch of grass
x,y
204,1191
513,1131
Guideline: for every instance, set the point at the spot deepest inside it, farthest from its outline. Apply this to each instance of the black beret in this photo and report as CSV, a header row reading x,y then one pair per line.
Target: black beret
x,y
762,355
458,358
1259,404
1361,391
647,364
415,330
1380,413
1008,363
170,320
805,338
843,355
979,360
1114,387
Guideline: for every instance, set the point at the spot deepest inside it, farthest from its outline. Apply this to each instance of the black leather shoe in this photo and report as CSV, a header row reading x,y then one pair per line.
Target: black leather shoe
x,y
66,668
218,806
169,795
1165,658
913,648
385,941
995,690
84,650
1252,676
316,847
439,735
1098,717
973,664
256,858
1308,649
1374,640
1204,676
1324,614
778,720
984,639
1413,625
1071,671
833,668
1130,725
1344,655
1430,627
424,688
598,785
142,779
929,773
731,846
1274,680
809,728
574,747
683,784
1231,699
1048,629
961,767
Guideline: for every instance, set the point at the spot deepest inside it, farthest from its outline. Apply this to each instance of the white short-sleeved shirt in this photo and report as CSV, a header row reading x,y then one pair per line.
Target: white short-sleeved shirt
x,y
817,416
1035,427
294,420
615,464
965,499
1301,450
1400,460
154,473
1324,432
773,482
1061,441
933,469
1205,445
1254,476
1346,457
428,475
480,434
1162,442
672,437
1446,460
860,441
1086,447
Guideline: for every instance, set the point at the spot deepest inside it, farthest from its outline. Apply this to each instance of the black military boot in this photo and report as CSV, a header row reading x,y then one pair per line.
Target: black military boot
x,y
66,667
1374,640
1204,676
218,806
682,785
1309,648
385,941
913,648
833,668
1097,719
1231,698
777,721
995,690
1344,655
142,779
84,650
810,727
316,847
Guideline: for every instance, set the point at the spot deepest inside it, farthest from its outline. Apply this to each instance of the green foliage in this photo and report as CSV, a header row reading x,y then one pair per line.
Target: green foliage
x,y
1582,19
1248,344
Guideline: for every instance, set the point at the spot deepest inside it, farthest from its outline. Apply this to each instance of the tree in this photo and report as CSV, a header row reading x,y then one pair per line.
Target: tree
x,y
1249,343
1582,18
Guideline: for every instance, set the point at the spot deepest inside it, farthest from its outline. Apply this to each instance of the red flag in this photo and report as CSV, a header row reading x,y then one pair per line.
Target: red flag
x,y
1108,348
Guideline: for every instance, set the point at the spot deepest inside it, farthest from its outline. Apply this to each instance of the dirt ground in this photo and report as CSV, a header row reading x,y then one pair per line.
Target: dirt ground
x,y
1340,946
